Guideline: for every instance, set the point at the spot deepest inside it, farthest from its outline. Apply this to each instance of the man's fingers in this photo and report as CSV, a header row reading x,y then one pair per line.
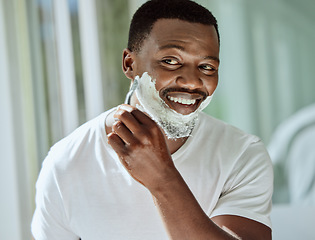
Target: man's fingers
x,y
123,132
119,147
117,143
126,117
142,117
136,114
135,126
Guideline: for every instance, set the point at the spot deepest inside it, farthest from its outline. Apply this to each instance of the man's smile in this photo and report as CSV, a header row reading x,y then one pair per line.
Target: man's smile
x,y
183,102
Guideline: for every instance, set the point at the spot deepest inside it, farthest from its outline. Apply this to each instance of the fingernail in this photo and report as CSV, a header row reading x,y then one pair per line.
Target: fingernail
x,y
125,107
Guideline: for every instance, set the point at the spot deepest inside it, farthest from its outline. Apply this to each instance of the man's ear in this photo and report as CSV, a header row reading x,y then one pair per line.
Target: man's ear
x,y
128,63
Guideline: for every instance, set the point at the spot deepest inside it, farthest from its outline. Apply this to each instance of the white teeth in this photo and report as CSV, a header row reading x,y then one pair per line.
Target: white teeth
x,y
183,100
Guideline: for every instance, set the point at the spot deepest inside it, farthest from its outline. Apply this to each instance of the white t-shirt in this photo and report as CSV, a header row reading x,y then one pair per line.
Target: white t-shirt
x,y
83,190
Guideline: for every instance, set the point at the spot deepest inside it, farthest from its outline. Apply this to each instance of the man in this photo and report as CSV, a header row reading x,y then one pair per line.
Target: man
x,y
156,167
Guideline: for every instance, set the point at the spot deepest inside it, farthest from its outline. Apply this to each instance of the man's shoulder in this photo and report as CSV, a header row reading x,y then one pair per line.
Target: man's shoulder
x,y
238,149
219,128
86,131
79,143
74,156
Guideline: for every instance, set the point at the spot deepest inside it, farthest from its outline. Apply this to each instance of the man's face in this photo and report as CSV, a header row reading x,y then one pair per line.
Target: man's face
x,y
183,57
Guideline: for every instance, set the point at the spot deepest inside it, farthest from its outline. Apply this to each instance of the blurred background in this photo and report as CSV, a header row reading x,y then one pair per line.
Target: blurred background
x,y
60,65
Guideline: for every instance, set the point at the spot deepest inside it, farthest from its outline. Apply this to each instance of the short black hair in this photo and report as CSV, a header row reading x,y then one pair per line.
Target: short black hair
x,y
153,10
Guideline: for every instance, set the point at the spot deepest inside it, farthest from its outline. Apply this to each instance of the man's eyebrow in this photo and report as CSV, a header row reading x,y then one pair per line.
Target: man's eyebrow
x,y
212,58
167,46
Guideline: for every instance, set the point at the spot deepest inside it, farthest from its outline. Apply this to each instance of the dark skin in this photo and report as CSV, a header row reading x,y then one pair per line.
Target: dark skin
x,y
184,57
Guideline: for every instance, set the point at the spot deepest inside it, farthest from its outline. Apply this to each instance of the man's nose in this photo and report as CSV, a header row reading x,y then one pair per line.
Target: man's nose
x,y
189,78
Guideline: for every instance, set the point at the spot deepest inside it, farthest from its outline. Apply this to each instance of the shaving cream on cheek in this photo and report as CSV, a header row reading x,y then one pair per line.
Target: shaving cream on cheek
x,y
174,124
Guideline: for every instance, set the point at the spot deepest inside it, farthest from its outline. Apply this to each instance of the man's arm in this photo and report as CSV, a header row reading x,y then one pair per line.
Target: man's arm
x,y
141,147
185,219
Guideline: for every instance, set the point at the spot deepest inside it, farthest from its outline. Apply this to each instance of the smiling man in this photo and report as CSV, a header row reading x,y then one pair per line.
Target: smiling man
x,y
157,167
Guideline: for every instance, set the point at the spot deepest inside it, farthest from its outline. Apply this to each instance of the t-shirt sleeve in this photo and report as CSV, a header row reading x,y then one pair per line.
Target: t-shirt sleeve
x,y
248,190
50,220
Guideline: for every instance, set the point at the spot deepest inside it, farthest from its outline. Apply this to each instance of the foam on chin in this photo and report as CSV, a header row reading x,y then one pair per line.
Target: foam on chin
x,y
174,124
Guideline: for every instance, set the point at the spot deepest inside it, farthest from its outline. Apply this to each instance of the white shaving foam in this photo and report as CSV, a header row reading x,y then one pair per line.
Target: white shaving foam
x,y
174,124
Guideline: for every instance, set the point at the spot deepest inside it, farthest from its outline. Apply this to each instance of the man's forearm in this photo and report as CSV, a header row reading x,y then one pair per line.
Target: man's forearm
x,y
182,215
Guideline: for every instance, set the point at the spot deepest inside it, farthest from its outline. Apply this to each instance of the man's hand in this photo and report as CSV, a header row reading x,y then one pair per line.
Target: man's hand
x,y
141,147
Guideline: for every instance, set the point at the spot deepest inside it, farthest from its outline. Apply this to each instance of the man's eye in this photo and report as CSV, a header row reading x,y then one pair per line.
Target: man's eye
x,y
171,61
207,67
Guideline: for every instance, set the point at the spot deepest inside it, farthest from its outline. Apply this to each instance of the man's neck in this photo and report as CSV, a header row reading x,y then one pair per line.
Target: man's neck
x,y
175,144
